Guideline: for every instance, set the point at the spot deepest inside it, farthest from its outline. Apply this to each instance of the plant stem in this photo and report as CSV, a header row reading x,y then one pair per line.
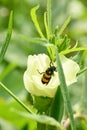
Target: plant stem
x,y
64,91
49,16
19,101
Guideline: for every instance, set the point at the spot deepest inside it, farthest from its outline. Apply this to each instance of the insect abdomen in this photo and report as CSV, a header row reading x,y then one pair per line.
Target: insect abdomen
x,y
46,78
48,74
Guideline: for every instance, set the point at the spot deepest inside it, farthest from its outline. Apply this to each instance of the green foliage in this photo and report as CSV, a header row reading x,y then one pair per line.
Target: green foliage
x,y
57,108
10,118
34,19
43,119
14,56
64,91
7,40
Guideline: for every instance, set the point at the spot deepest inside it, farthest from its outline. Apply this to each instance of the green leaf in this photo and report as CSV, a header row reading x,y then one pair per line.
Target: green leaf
x,y
64,90
8,37
64,26
57,107
42,119
7,113
33,40
64,44
35,21
46,26
73,50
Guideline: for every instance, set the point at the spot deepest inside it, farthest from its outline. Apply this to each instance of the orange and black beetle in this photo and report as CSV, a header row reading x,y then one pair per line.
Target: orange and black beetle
x,y
48,74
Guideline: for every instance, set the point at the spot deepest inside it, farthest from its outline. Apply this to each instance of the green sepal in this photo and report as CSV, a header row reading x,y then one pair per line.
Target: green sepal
x,y
42,104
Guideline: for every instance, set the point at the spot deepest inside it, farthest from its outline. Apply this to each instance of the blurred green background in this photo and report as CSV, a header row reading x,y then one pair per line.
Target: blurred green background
x,y
14,64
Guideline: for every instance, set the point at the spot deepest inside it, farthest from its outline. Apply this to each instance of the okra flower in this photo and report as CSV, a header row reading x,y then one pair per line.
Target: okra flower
x,y
37,64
